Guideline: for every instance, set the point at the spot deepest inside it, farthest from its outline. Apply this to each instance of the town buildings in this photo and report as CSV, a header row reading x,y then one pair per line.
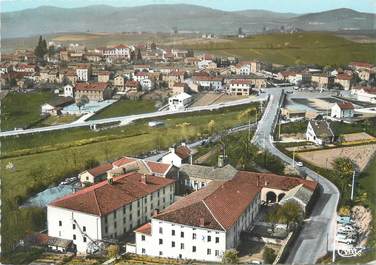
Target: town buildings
x,y
94,91
342,110
179,102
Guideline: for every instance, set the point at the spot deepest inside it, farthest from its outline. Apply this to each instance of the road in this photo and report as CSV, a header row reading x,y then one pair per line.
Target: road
x,y
127,119
318,233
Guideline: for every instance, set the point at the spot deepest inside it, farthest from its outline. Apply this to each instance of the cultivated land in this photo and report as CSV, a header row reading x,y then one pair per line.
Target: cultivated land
x,y
43,159
19,110
360,154
297,48
126,107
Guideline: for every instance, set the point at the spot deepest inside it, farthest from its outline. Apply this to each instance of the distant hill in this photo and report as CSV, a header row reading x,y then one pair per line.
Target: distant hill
x,y
163,18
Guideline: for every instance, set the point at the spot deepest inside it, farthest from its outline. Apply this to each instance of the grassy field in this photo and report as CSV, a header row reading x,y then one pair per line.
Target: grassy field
x,y
298,48
126,107
20,110
41,160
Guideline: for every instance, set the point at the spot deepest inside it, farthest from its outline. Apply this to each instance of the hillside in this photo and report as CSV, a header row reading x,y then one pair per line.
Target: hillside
x,y
163,18
298,48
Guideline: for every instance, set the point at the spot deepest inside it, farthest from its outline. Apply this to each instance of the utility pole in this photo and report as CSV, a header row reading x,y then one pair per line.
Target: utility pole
x,y
353,186
279,130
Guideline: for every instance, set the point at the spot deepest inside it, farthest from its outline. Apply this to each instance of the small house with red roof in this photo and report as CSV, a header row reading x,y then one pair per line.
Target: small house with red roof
x,y
108,210
179,155
343,109
344,80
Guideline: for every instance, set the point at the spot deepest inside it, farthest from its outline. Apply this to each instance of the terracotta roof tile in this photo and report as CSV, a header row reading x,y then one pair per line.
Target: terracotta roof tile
x,y
103,198
91,86
145,229
100,170
183,151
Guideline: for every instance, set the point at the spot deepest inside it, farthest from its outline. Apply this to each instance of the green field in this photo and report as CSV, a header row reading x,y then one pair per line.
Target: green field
x,y
20,110
297,48
126,107
44,159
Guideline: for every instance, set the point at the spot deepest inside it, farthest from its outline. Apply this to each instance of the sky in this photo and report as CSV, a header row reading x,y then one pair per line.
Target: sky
x,y
294,6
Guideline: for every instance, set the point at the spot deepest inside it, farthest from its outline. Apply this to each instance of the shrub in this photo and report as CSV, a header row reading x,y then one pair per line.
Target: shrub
x,y
269,255
230,257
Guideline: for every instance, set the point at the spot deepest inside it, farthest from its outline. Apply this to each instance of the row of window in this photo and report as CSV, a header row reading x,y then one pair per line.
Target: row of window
x,y
194,236
208,252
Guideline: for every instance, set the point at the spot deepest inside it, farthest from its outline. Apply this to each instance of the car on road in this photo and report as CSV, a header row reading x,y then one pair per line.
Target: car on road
x,y
299,164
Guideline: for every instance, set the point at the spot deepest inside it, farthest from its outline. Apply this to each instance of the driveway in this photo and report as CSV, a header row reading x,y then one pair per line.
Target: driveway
x,y
318,233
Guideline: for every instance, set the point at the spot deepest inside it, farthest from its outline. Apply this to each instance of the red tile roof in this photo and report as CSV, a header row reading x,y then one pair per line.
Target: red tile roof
x,y
207,78
183,151
124,160
131,83
362,64
346,105
155,167
344,77
121,46
91,86
241,81
145,229
103,198
100,170
213,207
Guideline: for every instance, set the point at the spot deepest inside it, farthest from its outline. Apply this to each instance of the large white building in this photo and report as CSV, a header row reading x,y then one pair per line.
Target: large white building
x,y
209,82
118,51
367,94
109,209
83,72
240,87
206,223
180,101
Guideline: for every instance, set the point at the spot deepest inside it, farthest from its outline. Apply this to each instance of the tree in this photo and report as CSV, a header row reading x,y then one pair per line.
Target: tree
x,y
240,31
291,213
343,169
274,216
269,255
132,56
82,101
112,251
41,49
211,127
51,50
139,56
230,257
90,163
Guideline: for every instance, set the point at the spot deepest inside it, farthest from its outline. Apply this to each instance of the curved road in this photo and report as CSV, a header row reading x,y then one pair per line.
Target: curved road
x,y
130,118
318,233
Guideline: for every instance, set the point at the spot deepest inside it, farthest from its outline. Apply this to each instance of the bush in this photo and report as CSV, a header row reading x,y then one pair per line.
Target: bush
x,y
230,257
112,251
269,255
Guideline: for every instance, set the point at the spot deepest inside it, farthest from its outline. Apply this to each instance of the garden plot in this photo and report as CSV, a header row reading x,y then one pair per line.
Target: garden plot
x,y
355,137
360,154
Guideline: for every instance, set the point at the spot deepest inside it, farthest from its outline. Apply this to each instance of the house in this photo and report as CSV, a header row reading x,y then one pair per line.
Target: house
x,y
174,77
179,102
246,68
254,81
93,57
68,91
344,80
322,80
146,84
366,94
240,87
104,76
54,106
119,82
300,195
359,66
119,51
209,82
139,76
206,64
207,222
342,110
108,210
178,156
25,68
95,175
83,72
197,176
132,86
94,91
179,88
5,68
319,132
364,75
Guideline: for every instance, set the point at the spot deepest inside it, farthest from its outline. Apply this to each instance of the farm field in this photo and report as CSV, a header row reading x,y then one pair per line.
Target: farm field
x,y
20,110
360,154
125,107
357,137
206,99
297,48
45,159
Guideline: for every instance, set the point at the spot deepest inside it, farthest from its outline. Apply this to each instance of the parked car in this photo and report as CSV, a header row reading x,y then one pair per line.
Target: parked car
x,y
348,241
299,164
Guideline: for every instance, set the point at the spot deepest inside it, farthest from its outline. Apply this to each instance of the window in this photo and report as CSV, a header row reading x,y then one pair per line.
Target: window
x,y
182,234
84,228
208,251
124,209
143,251
130,217
130,207
74,226
217,253
160,253
60,223
138,213
194,249
115,224
173,232
143,238
160,230
115,214
160,241
74,237
138,203
180,256
124,220
194,236
209,238
84,238
216,239
172,244
106,229
181,245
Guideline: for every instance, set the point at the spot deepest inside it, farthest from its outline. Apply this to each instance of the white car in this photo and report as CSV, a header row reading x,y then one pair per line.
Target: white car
x,y
299,164
346,228
346,240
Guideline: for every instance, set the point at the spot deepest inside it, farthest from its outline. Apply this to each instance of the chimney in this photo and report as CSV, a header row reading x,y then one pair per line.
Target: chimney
x,y
201,222
110,177
143,179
